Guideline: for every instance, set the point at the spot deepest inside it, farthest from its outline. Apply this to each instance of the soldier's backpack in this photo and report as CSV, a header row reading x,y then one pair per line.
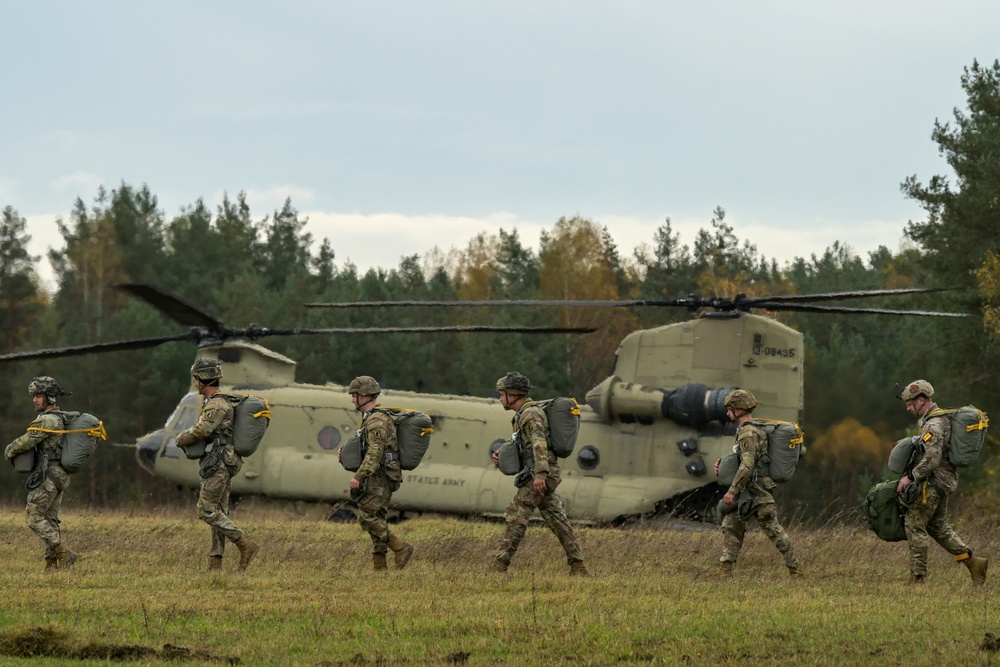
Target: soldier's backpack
x,y
81,433
251,417
413,436
563,414
968,433
884,513
784,445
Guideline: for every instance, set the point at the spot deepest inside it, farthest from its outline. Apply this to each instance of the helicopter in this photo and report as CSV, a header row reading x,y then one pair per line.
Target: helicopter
x,y
649,433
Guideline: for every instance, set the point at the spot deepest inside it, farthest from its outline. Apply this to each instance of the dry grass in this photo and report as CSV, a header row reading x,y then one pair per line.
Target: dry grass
x,y
311,598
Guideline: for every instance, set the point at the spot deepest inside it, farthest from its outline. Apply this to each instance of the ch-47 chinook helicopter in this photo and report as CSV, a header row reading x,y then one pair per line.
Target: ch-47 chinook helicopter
x,y
649,433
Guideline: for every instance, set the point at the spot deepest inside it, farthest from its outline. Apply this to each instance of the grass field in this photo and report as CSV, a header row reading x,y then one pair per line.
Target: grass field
x,y
141,594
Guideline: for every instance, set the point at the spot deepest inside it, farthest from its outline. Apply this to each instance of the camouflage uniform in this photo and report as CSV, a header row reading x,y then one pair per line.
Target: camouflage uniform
x,y
752,497
934,479
380,476
47,484
531,428
218,466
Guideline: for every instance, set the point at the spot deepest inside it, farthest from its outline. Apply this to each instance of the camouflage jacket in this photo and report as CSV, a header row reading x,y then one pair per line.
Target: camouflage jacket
x,y
378,437
531,427
51,443
751,445
214,421
934,466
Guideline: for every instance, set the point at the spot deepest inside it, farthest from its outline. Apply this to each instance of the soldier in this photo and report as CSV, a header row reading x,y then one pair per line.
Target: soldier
x,y
537,482
757,501
379,475
48,480
219,464
925,490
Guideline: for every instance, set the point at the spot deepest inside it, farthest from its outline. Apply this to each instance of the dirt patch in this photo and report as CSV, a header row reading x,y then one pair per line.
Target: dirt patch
x,y
52,642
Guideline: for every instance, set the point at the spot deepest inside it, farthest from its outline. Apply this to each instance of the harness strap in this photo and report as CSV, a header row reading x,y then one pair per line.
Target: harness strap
x,y
93,432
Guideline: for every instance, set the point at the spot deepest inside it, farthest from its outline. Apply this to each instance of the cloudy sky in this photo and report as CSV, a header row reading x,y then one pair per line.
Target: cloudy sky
x,y
399,126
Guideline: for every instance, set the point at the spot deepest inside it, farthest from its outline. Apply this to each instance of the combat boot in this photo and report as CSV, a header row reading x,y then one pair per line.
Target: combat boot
x,y
378,560
50,563
977,569
215,562
248,549
577,569
499,566
725,570
64,557
916,580
401,551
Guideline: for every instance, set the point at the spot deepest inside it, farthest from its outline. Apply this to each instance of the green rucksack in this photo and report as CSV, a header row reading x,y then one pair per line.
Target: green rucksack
x,y
784,445
81,432
563,415
884,513
251,417
413,436
968,433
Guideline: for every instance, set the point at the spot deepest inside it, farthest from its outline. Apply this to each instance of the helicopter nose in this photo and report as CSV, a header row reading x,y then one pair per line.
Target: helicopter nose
x,y
148,447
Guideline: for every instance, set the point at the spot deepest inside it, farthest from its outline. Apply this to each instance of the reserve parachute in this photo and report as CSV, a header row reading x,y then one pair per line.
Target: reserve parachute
x,y
413,437
968,433
784,445
251,417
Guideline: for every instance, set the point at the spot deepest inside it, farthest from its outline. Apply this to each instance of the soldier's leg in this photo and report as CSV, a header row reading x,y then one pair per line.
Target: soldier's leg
x,y
915,522
551,507
213,500
517,516
942,532
372,514
39,513
733,530
767,517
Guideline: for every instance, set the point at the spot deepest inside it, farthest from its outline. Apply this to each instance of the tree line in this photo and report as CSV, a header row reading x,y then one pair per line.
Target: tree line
x,y
243,268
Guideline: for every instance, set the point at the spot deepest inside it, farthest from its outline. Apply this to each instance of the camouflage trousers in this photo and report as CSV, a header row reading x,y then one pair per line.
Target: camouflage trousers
x,y
213,509
766,512
42,511
373,506
928,515
519,512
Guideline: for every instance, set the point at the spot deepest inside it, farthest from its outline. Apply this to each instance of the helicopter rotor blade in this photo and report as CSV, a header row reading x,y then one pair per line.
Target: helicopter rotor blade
x,y
254,332
831,296
809,308
501,303
114,346
177,309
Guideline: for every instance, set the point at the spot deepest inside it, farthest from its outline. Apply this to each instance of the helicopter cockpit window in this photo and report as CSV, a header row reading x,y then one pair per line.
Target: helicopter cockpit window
x,y
589,457
328,437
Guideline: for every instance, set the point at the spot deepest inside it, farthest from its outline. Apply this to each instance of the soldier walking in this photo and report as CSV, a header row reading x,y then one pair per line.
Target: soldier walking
x,y
925,490
218,465
537,482
48,480
379,475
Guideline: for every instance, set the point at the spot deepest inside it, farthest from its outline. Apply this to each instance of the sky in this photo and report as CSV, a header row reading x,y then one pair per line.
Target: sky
x,y
396,127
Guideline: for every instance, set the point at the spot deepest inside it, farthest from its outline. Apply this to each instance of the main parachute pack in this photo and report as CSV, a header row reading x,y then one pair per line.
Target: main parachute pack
x,y
413,436
81,433
784,446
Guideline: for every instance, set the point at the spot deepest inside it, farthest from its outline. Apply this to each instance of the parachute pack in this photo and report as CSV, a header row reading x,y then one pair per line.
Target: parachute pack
x,y
884,513
784,444
563,415
81,433
968,433
508,458
413,436
251,417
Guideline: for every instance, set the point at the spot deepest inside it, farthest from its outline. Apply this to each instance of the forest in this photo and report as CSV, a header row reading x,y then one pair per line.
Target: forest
x,y
246,267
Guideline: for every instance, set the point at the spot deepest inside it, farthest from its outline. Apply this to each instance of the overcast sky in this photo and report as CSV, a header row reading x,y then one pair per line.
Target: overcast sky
x,y
399,126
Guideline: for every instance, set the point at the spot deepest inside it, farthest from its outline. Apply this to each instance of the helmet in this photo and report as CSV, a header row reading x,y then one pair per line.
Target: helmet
x,y
43,384
365,385
917,388
740,399
207,369
515,383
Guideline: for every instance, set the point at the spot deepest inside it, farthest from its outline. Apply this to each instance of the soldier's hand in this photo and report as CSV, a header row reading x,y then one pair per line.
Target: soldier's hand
x,y
540,486
717,462
904,482
496,458
355,484
729,498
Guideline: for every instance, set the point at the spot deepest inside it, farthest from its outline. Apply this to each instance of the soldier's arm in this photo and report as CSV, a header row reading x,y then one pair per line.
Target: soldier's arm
x,y
212,415
377,433
533,434
31,438
932,437
748,443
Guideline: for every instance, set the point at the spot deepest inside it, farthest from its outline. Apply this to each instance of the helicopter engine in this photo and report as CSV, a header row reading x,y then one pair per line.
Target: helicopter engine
x,y
689,405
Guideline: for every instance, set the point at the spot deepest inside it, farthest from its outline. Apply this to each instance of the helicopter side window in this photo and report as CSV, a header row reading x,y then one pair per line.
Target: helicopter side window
x,y
589,457
328,437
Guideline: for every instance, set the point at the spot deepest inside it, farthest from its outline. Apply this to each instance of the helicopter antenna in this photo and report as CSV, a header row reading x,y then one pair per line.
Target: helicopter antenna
x,y
741,303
